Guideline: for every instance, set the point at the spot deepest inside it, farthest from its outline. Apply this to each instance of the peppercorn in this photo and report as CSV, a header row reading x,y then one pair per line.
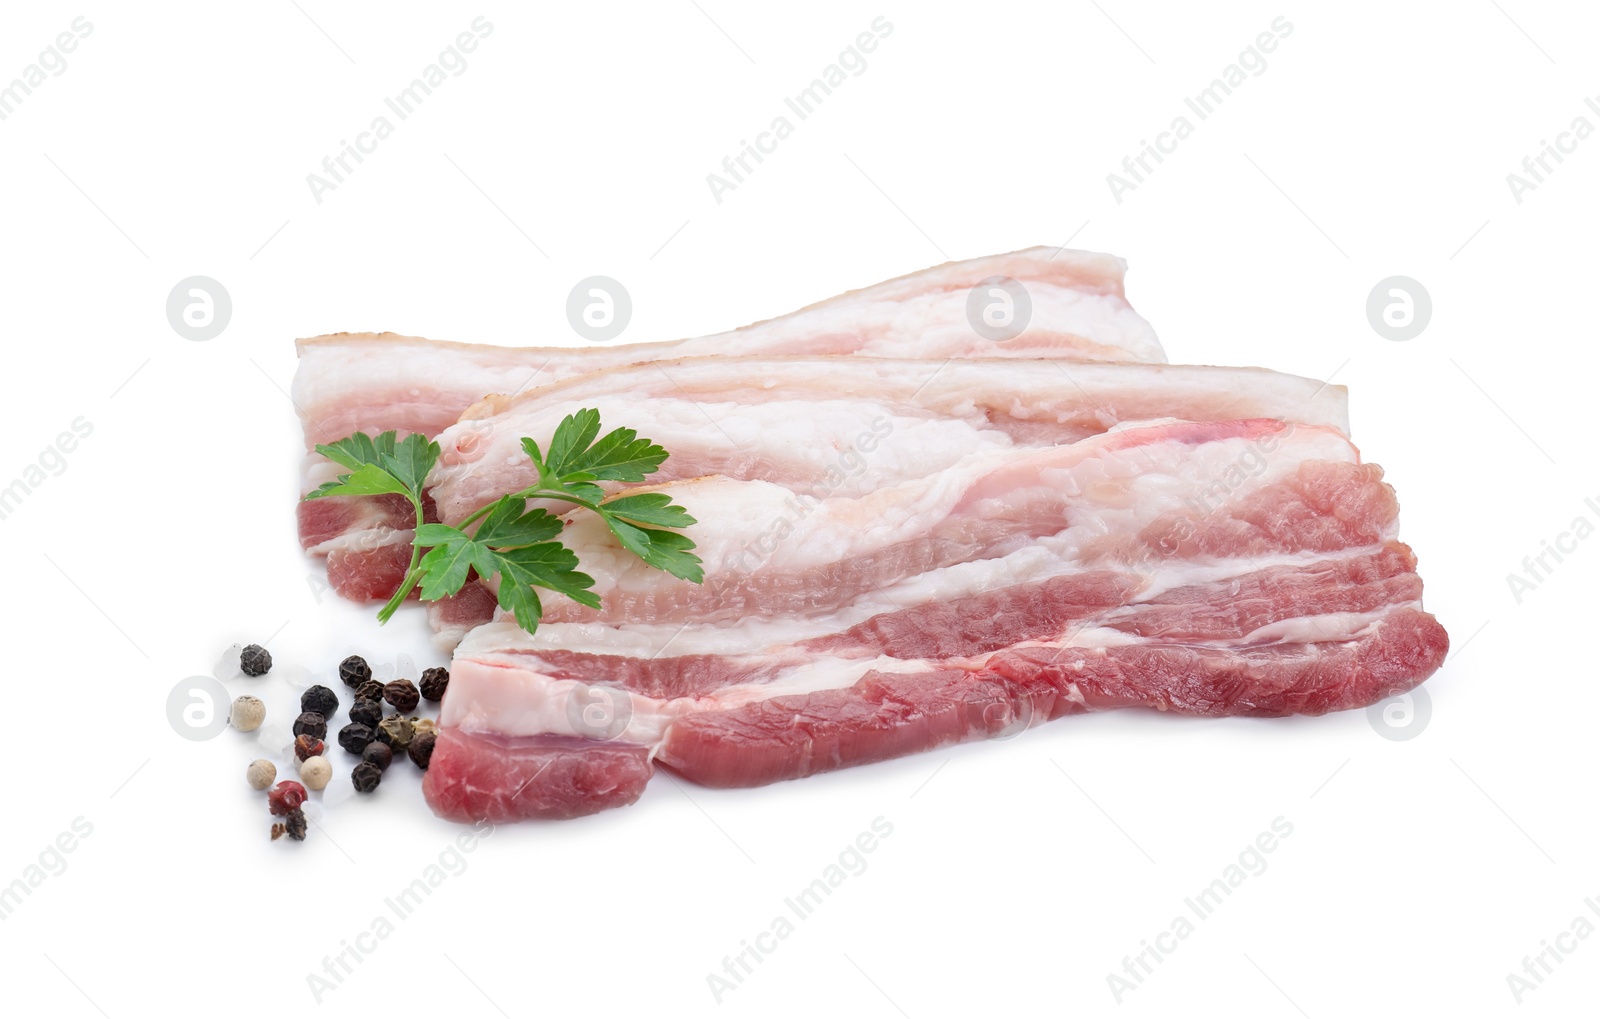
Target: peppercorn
x,y
420,726
260,773
378,754
396,730
313,722
315,772
354,671
366,777
355,737
371,690
421,750
285,796
402,693
306,746
247,713
295,824
366,712
278,830
255,660
319,699
434,682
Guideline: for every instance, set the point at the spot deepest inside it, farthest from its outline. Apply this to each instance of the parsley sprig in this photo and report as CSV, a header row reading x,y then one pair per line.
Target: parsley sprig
x,y
511,541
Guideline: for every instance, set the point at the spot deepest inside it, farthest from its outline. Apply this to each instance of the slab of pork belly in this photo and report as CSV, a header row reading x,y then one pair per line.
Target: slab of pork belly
x,y
350,382
823,426
1139,568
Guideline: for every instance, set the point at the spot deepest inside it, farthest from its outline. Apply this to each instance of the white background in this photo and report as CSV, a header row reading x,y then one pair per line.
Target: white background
x,y
1019,874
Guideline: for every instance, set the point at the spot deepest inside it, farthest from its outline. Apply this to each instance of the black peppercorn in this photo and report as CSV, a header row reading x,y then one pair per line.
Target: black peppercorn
x,y
371,690
366,712
421,750
311,723
366,777
354,671
396,730
255,660
402,693
319,699
295,824
378,754
434,682
355,737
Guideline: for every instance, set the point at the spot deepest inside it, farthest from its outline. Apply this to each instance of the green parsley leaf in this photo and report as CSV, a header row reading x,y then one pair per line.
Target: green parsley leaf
x,y
354,452
507,526
445,566
522,602
649,508
573,436
532,449
589,493
620,456
548,565
368,479
411,460
665,550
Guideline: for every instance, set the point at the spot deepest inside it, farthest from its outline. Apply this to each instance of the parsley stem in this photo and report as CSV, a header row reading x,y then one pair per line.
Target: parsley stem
x,y
413,574
535,492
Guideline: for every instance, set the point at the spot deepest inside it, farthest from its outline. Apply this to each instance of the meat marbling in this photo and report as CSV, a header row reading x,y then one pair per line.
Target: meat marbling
x,y
349,382
1245,567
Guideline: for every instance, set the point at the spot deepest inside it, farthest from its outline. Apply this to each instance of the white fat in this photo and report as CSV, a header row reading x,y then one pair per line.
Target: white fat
x,y
490,696
1330,627
363,540
1096,490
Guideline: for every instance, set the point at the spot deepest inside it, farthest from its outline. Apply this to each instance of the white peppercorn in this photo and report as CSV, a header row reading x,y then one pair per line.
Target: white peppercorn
x,y
315,772
260,773
247,713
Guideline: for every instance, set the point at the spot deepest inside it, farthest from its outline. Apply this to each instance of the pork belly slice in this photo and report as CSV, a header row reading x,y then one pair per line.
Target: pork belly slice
x,y
885,715
485,777
819,427
823,714
1143,567
515,684
349,382
1116,497
375,383
828,426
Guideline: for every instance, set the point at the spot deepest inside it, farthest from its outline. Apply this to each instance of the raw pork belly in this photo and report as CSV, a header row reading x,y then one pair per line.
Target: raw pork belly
x,y
1233,567
823,426
349,382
